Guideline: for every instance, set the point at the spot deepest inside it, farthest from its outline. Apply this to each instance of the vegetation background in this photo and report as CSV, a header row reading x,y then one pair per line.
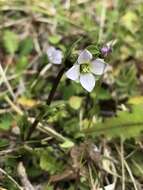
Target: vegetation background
x,y
84,141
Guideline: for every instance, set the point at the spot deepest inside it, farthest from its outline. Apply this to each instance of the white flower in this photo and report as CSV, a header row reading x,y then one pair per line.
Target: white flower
x,y
54,55
85,70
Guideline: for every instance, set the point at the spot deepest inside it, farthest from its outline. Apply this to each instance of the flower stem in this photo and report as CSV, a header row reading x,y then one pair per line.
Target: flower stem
x,y
48,102
53,90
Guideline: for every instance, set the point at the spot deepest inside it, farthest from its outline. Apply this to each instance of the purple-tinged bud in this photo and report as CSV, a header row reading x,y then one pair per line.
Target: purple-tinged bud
x,y
106,50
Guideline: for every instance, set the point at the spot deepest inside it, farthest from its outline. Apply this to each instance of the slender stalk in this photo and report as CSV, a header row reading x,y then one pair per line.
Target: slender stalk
x,y
48,102
53,90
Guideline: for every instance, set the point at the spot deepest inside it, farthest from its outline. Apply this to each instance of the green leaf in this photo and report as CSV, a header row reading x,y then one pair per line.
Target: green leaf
x,y
11,42
94,50
6,122
75,102
24,125
49,163
26,46
126,124
21,64
55,39
137,163
104,94
67,144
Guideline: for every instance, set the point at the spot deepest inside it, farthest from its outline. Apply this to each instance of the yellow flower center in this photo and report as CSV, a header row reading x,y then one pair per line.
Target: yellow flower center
x,y
85,68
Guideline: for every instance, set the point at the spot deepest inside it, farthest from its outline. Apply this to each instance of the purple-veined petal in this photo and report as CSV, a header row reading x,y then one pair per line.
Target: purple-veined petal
x,y
74,72
98,66
85,56
87,81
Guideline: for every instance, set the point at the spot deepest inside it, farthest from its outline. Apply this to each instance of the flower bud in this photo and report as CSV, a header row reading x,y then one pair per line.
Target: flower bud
x,y
106,50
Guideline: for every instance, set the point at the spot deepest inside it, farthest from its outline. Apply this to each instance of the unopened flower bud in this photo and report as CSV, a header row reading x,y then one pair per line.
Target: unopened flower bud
x,y
106,50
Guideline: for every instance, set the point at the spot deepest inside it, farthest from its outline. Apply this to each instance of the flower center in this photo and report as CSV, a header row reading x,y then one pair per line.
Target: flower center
x,y
85,68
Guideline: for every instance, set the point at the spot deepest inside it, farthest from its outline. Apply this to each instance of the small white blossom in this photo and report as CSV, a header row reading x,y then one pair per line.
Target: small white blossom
x,y
85,70
54,55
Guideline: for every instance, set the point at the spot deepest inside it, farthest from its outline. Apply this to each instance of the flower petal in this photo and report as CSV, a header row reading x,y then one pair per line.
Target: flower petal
x,y
87,81
98,66
74,72
85,56
55,56
50,51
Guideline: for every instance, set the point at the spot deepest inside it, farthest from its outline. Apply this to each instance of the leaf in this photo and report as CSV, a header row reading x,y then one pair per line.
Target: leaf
x,y
21,64
55,39
11,42
104,94
26,46
126,124
27,102
67,144
136,163
6,122
24,125
49,163
94,50
71,126
75,102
